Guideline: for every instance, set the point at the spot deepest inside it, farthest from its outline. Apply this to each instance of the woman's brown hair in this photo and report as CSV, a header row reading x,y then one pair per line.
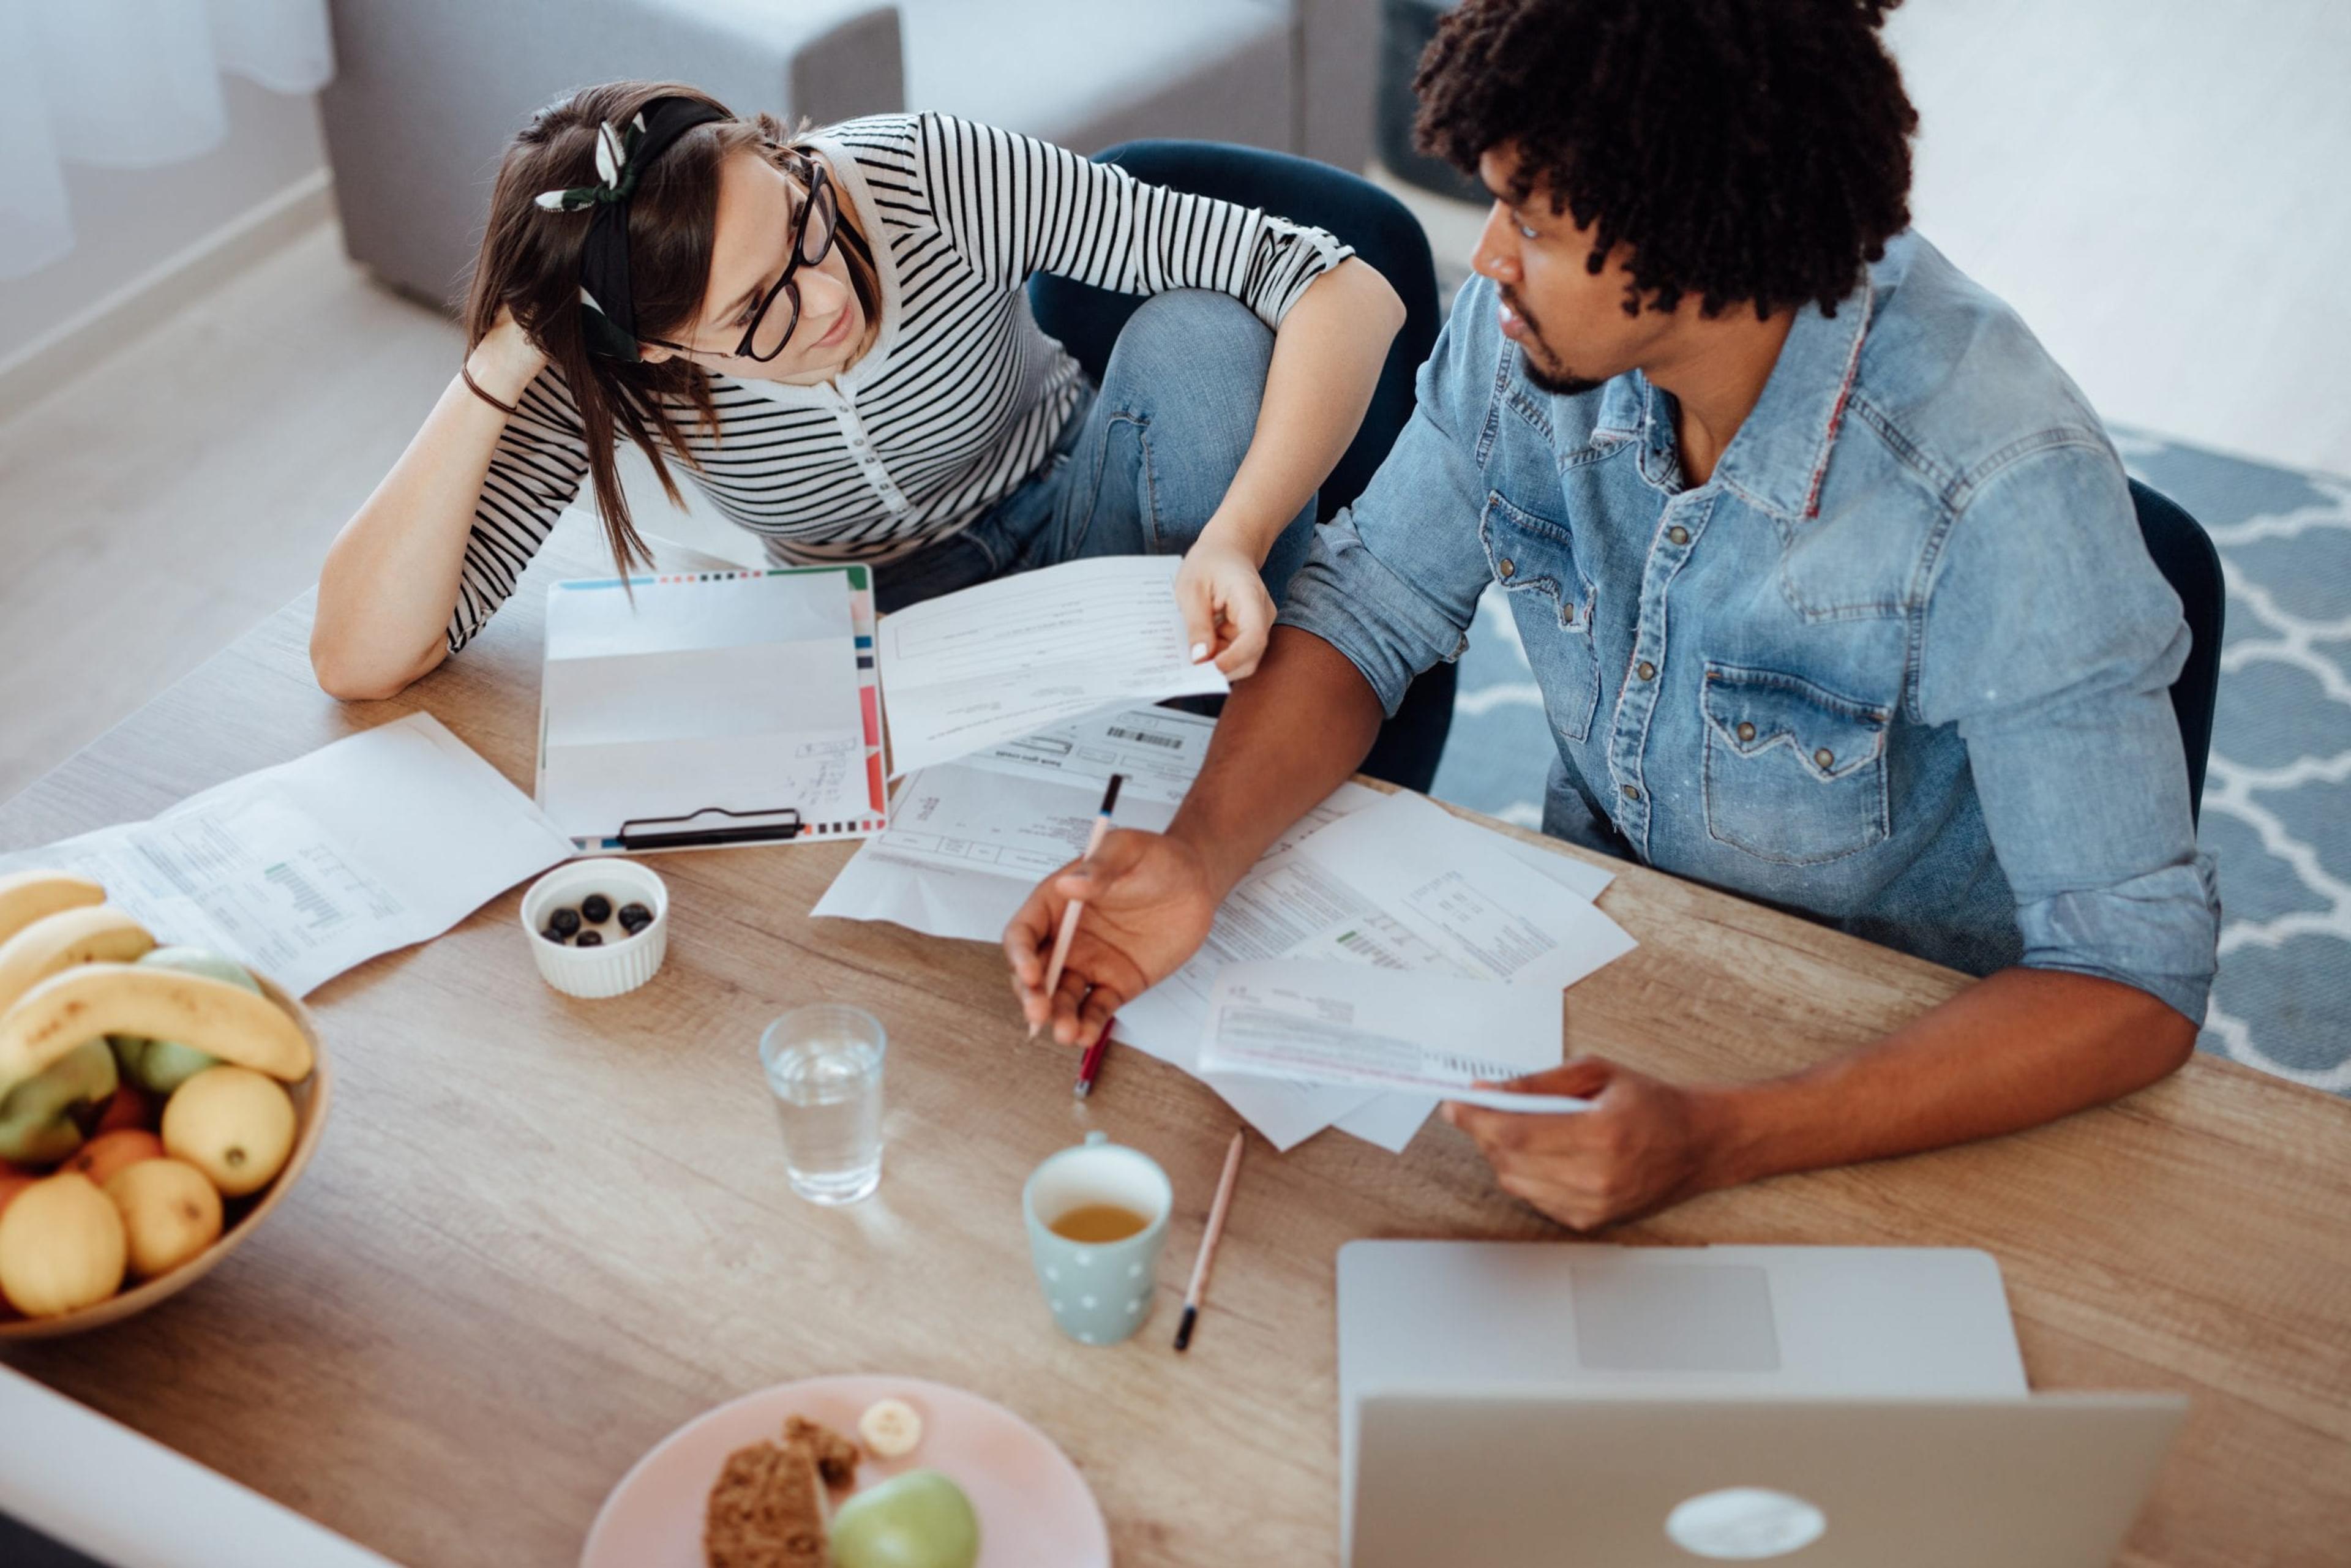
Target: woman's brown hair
x,y
529,263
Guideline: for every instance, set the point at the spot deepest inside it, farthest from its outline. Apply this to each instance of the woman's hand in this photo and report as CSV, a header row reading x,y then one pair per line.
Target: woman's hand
x,y
1226,610
506,362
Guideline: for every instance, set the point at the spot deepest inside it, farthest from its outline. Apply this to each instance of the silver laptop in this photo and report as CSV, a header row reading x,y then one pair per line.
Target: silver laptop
x,y
1461,1363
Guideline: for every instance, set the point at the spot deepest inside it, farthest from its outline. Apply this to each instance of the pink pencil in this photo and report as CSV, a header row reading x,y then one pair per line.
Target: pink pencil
x,y
1198,1289
1069,915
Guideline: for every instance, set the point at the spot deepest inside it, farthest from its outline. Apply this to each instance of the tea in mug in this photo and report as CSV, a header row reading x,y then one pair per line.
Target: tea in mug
x,y
1097,1223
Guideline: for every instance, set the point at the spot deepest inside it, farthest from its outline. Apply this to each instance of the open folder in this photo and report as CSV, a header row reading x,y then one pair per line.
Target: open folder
x,y
745,706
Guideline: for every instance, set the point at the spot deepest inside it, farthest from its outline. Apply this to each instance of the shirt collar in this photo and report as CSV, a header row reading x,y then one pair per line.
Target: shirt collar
x,y
1781,454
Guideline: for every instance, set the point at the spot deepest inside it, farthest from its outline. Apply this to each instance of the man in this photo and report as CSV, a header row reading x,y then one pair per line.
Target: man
x,y
1829,576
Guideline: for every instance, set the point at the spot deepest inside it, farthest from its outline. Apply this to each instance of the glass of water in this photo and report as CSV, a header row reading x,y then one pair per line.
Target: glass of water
x,y
823,1066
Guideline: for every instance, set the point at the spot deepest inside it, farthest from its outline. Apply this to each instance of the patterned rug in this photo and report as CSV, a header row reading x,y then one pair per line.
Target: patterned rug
x,y
2277,797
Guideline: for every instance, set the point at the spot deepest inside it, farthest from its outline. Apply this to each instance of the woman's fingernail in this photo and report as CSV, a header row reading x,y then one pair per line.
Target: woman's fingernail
x,y
1199,651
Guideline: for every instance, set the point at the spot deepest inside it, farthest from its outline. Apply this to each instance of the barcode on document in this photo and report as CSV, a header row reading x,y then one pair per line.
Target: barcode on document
x,y
1172,742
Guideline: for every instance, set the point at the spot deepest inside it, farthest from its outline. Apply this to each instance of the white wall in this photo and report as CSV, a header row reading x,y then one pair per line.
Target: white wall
x,y
2158,187
126,221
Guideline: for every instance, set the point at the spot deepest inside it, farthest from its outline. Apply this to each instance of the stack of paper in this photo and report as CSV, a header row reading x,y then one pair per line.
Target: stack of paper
x,y
1394,883
303,869
1391,882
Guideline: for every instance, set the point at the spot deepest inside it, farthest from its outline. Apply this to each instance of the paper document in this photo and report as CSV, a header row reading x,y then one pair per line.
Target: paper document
x,y
1323,1021
713,705
1019,655
305,869
1402,885
968,840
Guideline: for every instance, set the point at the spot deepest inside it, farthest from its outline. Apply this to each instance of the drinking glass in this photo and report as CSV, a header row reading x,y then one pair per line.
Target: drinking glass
x,y
823,1066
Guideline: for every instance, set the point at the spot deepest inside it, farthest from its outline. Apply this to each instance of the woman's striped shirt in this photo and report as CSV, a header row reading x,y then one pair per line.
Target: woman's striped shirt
x,y
960,397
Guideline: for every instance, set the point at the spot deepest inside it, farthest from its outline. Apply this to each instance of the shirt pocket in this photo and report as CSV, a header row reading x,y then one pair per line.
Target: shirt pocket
x,y
1794,773
1551,602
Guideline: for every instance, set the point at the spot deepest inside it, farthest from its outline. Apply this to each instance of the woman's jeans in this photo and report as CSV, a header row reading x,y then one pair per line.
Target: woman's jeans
x,y
1140,468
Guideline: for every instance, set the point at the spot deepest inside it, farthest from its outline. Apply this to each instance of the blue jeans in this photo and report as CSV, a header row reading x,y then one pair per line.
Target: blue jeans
x,y
1142,466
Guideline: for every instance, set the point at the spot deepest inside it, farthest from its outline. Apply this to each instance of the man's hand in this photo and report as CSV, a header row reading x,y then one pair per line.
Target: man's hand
x,y
1227,610
1643,1145
1148,905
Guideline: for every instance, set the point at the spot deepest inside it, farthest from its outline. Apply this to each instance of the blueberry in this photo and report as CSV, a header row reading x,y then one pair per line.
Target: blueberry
x,y
554,935
563,922
597,908
589,939
635,917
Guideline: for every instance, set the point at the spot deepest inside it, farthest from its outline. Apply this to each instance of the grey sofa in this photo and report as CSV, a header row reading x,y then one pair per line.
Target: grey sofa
x,y
427,92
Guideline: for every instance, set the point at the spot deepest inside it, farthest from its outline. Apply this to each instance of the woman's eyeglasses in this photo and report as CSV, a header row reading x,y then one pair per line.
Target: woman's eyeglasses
x,y
812,230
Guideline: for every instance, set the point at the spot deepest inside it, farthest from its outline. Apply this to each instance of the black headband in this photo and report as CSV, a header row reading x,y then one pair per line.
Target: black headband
x,y
608,307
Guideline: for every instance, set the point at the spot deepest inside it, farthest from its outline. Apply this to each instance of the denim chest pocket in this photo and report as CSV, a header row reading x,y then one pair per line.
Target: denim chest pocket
x,y
1795,774
1551,603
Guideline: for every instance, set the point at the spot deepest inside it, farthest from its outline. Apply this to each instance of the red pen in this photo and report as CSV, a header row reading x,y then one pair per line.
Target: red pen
x,y
1092,1064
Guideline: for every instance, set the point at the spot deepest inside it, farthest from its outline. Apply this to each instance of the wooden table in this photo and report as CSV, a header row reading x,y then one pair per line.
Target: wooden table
x,y
540,1233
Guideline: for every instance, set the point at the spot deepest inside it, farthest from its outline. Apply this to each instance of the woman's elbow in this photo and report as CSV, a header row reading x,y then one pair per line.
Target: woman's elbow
x,y
1382,306
351,680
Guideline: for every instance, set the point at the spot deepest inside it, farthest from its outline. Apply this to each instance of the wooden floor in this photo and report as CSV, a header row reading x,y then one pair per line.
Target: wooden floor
x,y
2158,186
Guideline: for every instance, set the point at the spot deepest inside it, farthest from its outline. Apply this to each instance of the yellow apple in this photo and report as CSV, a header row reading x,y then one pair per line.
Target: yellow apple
x,y
171,1211
234,1124
61,1247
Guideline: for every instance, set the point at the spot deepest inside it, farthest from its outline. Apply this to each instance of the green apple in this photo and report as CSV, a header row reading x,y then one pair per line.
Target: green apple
x,y
162,1065
44,1119
919,1519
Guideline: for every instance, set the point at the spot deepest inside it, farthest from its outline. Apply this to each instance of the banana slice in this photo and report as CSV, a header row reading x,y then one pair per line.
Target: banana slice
x,y
30,895
93,999
891,1428
95,933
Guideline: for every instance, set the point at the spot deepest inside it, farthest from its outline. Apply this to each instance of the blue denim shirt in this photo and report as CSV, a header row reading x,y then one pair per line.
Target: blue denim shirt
x,y
1902,663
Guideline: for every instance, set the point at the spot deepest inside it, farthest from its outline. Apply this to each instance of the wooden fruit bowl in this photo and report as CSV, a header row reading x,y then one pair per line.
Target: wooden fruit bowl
x,y
310,1099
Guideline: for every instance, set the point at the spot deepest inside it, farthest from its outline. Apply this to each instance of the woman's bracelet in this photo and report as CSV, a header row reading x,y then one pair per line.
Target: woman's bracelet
x,y
506,408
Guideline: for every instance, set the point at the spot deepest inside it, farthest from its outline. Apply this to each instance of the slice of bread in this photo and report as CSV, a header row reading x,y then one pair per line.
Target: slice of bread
x,y
769,1510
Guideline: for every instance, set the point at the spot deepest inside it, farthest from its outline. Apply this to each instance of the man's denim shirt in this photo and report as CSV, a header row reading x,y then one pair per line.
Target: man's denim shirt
x,y
1903,661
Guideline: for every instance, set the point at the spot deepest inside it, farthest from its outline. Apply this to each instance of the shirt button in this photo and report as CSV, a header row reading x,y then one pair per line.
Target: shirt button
x,y
1631,793
1678,534
1508,565
1746,731
1646,670
1824,757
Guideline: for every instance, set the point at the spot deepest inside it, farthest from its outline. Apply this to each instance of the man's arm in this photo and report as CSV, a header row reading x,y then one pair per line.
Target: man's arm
x,y
1289,735
2013,1051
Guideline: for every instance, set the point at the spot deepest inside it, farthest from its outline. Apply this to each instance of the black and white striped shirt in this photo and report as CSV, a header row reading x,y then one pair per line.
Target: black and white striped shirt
x,y
960,397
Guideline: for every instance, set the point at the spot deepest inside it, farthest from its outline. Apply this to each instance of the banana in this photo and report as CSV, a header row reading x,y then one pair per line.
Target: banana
x,y
95,933
93,999
891,1428
29,895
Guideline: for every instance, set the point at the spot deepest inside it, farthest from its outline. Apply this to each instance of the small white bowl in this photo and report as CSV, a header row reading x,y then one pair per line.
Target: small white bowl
x,y
623,962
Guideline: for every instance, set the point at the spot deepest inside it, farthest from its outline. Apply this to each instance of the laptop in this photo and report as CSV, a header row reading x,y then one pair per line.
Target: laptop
x,y
1557,1404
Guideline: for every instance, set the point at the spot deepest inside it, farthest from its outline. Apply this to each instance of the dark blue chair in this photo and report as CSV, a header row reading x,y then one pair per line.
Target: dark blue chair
x,y
2183,552
1088,321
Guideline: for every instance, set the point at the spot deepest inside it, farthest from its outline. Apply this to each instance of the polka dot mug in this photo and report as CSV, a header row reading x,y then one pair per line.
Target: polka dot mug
x,y
1097,1217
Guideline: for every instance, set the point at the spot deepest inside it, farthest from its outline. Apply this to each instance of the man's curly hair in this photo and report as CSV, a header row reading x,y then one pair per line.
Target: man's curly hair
x,y
1746,150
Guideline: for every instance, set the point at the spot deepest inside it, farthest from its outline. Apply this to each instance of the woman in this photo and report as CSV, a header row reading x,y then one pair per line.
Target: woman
x,y
832,334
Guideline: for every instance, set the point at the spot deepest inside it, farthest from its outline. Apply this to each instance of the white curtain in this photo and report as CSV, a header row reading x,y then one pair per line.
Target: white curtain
x,y
129,84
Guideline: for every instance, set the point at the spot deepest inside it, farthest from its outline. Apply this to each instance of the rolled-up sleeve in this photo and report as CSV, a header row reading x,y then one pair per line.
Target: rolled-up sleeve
x,y
2052,642
1393,581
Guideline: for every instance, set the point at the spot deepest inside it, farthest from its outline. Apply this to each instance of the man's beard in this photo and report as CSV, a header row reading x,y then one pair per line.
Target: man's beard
x,y
1557,383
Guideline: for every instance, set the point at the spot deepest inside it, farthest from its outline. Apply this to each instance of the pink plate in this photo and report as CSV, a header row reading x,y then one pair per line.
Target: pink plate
x,y
1034,1509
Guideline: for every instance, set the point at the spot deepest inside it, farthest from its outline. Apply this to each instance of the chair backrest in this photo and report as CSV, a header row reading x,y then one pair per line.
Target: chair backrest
x,y
2183,552
1384,232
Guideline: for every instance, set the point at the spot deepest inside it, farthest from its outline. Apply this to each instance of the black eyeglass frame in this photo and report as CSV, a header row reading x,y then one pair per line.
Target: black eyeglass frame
x,y
820,190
